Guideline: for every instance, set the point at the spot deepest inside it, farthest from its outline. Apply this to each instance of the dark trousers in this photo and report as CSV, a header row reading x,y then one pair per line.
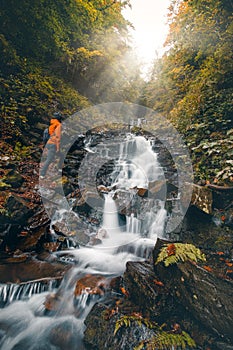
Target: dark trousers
x,y
50,158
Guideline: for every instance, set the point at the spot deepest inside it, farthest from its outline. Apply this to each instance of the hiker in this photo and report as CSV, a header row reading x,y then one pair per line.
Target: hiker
x,y
53,144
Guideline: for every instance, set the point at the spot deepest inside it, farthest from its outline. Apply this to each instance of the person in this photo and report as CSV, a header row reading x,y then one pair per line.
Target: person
x,y
53,144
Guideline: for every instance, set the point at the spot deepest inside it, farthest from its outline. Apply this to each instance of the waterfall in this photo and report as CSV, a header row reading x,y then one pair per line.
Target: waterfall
x,y
137,164
138,168
12,291
23,321
110,216
133,225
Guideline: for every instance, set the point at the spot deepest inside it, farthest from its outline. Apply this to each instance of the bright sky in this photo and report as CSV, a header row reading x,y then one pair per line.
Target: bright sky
x,y
149,20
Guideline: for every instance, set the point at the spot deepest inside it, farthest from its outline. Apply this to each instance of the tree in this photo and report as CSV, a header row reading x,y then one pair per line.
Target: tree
x,y
192,83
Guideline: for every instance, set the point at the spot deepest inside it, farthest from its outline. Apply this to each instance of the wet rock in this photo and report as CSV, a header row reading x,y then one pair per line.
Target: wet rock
x,y
25,236
157,186
99,333
206,231
30,241
52,302
142,192
222,196
18,210
103,189
65,335
207,297
14,179
204,296
146,289
12,271
51,246
201,197
91,284
93,199
67,186
123,200
39,219
18,257
94,241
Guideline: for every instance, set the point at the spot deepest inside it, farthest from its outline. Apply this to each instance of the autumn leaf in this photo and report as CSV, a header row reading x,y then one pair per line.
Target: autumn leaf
x,y
158,283
207,268
171,249
124,291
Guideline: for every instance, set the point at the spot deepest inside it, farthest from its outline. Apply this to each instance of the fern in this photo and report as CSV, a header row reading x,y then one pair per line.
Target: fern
x,y
126,321
167,341
162,340
176,252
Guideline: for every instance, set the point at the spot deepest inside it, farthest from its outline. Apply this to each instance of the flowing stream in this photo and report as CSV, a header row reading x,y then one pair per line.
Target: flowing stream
x,y
24,324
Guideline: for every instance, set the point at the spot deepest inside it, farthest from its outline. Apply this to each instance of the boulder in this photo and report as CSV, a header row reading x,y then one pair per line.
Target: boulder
x,y
202,197
147,290
206,297
91,284
18,209
21,268
23,230
99,333
65,335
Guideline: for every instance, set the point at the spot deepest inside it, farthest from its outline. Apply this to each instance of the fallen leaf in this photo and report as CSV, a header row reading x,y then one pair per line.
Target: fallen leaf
x,y
207,268
171,249
220,253
124,291
158,283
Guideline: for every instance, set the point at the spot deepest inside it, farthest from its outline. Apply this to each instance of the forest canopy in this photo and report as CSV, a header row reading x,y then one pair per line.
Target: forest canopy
x,y
63,55
192,84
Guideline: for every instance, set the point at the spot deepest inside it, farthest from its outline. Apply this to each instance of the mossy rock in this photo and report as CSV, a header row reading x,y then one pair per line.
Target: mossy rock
x,y
15,180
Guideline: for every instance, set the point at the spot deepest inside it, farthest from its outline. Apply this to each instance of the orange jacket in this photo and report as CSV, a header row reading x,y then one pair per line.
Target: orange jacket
x,y
55,133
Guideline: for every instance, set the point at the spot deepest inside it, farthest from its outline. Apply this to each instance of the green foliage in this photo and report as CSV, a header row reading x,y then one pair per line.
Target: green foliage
x,y
60,55
163,340
21,152
30,96
177,252
168,341
126,321
192,83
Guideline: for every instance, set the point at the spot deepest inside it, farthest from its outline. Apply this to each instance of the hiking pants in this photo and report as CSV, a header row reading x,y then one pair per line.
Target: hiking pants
x,y
50,158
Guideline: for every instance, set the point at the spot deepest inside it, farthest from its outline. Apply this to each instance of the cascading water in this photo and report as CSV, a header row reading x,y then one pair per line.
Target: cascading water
x,y
11,292
110,219
138,168
24,323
